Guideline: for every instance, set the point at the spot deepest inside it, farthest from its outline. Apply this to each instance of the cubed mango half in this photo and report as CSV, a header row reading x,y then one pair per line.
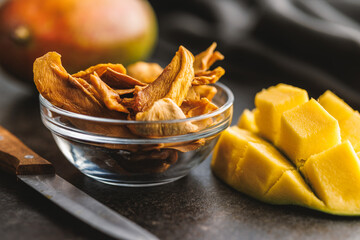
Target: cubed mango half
x,y
306,130
271,103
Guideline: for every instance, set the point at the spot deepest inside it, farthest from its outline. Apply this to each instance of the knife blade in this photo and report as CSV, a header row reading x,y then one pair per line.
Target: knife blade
x,y
38,173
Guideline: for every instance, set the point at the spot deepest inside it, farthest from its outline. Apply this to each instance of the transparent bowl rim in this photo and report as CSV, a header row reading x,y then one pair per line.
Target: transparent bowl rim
x,y
218,111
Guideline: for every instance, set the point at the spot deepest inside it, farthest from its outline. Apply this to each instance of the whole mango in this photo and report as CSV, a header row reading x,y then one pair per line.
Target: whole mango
x,y
84,32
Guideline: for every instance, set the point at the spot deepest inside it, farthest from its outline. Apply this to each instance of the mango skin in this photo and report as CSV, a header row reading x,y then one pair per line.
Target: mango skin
x,y
85,33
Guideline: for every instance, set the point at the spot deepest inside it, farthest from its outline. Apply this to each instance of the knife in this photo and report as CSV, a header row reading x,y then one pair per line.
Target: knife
x,y
38,173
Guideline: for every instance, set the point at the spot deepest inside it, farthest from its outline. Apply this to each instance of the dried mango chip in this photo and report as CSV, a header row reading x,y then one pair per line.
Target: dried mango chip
x,y
108,96
99,69
120,80
208,77
173,82
63,90
163,109
144,71
124,91
201,91
193,108
205,59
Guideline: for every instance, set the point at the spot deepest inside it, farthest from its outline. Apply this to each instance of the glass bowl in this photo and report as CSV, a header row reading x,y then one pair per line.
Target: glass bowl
x,y
105,149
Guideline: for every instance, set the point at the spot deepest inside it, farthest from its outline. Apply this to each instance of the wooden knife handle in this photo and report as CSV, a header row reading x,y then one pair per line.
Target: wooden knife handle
x,y
16,158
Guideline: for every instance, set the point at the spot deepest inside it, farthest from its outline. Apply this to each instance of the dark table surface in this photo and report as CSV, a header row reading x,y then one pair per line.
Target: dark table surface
x,y
198,206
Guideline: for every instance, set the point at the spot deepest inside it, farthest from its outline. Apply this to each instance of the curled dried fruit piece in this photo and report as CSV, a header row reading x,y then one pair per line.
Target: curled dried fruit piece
x,y
201,91
124,91
205,59
208,77
194,107
120,80
173,82
144,72
108,96
65,91
163,109
100,69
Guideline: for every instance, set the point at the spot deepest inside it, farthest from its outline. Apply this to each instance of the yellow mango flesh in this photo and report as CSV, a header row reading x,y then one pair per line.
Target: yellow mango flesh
x,y
271,103
350,130
261,166
292,189
349,120
335,106
306,130
231,147
334,176
247,121
260,170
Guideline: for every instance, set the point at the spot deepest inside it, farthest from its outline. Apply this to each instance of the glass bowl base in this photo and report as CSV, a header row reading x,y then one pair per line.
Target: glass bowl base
x,y
133,183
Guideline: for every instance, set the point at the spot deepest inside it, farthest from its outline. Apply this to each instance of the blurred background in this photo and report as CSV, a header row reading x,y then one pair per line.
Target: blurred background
x,y
310,44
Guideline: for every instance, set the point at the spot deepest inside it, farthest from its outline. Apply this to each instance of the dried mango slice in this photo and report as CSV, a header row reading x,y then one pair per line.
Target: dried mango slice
x,y
205,59
63,90
119,80
205,91
201,91
99,69
208,77
144,71
174,82
124,91
163,109
193,108
108,96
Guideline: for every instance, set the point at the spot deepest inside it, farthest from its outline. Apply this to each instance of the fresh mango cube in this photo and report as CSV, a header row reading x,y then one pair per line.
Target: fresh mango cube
x,y
306,130
334,175
349,120
247,121
335,106
350,130
231,149
271,103
292,189
261,166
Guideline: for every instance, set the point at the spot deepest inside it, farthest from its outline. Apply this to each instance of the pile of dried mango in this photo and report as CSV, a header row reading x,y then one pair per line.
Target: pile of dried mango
x,y
142,92
292,150
107,90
